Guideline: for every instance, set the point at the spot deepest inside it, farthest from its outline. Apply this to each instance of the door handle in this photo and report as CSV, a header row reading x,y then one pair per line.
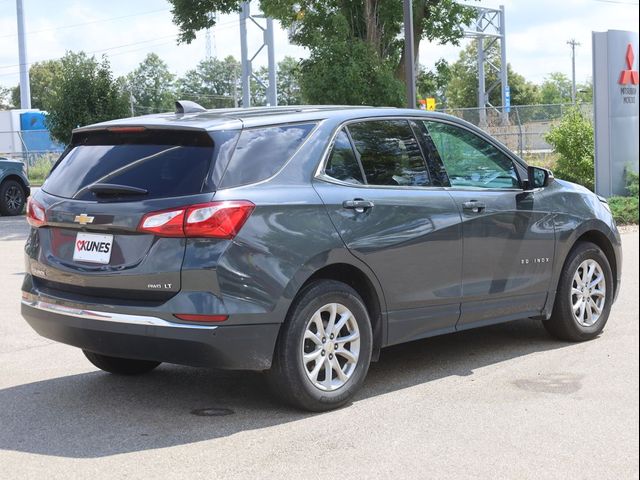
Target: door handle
x,y
474,206
357,204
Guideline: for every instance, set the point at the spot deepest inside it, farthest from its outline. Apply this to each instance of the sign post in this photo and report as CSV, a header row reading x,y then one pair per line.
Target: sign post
x,y
615,105
507,99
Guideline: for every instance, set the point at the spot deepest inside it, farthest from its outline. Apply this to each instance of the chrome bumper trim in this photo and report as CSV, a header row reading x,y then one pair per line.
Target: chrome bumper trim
x,y
110,316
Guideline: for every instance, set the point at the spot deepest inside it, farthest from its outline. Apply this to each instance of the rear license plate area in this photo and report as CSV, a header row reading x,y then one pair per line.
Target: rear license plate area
x,y
93,248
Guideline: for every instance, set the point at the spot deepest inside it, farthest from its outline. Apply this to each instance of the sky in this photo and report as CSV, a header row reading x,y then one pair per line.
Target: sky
x,y
126,31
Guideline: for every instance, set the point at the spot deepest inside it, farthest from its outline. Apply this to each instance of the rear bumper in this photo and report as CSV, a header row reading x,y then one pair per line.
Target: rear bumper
x,y
237,347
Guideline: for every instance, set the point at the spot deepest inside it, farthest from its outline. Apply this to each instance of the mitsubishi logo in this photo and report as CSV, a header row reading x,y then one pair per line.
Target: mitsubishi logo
x,y
83,219
629,76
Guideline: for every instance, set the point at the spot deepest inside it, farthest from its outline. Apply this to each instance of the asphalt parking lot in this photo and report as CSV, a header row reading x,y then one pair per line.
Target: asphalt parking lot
x,y
501,402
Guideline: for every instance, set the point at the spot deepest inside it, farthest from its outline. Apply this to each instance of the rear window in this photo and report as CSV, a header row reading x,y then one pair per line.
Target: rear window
x,y
261,152
165,163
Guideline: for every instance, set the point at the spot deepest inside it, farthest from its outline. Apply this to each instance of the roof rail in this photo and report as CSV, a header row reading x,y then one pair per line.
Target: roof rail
x,y
187,106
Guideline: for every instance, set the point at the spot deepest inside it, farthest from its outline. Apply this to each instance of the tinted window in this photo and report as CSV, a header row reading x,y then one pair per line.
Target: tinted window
x,y
389,153
261,152
166,164
471,161
438,173
342,163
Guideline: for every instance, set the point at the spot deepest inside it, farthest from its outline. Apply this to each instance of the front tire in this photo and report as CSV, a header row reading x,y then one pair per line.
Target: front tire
x,y
584,297
324,348
120,366
12,198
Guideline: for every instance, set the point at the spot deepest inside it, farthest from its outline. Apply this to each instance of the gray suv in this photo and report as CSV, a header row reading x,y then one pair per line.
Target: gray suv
x,y
300,241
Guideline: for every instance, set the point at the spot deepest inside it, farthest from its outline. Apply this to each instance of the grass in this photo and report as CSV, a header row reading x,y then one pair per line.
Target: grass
x,y
624,210
39,170
541,159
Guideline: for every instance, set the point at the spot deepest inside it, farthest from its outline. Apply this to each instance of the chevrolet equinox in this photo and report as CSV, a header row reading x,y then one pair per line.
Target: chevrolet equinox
x,y
301,241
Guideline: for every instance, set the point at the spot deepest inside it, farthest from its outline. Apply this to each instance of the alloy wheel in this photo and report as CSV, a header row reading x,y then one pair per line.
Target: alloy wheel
x,y
588,293
331,347
13,198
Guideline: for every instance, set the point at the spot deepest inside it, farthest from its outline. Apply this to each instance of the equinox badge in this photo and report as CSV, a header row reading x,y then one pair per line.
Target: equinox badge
x,y
83,219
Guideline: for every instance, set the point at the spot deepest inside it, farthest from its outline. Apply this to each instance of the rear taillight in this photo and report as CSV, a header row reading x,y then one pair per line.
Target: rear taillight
x,y
211,220
167,223
35,213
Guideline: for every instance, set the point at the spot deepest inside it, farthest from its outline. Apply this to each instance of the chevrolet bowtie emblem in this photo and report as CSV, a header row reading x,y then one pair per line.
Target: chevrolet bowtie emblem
x,y
83,219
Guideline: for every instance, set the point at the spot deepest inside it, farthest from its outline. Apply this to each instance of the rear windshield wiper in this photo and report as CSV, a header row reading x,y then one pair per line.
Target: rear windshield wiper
x,y
115,189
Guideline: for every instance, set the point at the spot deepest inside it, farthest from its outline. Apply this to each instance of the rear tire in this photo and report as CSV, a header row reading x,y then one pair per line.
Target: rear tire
x,y
12,198
324,348
120,366
584,297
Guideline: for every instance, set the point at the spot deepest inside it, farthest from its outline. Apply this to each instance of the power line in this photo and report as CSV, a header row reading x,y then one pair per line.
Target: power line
x,y
220,26
100,50
111,55
86,23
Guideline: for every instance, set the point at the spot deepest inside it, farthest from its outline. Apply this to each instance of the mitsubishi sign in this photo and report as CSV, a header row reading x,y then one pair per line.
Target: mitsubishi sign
x,y
629,76
615,101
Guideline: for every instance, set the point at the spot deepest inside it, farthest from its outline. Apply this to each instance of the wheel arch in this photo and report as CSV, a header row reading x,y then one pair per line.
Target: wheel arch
x,y
365,284
600,239
599,234
20,180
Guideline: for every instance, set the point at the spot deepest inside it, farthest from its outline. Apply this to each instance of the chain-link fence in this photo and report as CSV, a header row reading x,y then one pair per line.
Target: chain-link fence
x,y
524,133
526,128
34,148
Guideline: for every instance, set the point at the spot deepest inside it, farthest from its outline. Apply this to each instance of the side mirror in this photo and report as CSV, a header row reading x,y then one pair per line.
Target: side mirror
x,y
538,178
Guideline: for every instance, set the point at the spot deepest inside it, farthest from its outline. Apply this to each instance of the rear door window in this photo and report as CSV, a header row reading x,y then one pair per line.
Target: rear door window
x,y
262,152
389,153
164,163
343,164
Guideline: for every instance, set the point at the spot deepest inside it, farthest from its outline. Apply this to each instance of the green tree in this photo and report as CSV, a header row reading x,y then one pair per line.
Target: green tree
x,y
463,87
289,92
152,86
584,92
556,88
5,98
572,139
43,80
349,73
287,85
433,83
213,83
86,93
345,38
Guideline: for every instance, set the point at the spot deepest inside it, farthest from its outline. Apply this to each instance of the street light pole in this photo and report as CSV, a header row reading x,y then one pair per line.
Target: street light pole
x,y
25,88
573,45
410,73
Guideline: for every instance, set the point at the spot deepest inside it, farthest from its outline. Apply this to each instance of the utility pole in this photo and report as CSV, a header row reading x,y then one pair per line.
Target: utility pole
x,y
410,70
207,44
133,113
573,45
247,62
25,88
244,56
489,29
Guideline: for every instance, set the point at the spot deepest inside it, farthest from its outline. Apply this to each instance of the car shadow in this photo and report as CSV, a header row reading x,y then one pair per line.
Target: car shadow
x,y
96,414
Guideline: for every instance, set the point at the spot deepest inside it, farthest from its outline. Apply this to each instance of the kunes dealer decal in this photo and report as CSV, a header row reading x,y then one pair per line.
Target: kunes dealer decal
x,y
92,246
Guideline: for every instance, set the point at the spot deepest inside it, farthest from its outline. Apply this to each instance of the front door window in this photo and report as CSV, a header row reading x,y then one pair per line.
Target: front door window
x,y
471,161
